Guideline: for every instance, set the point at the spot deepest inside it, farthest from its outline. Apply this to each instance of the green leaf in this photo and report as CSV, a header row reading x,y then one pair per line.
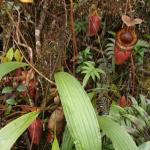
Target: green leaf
x,y
138,122
147,36
133,100
55,145
144,146
67,142
93,75
80,115
91,95
7,89
90,71
110,45
142,113
85,72
116,109
109,49
21,88
11,101
112,40
110,53
7,67
10,54
85,80
100,71
120,138
3,59
12,131
17,55
143,102
8,110
142,43
85,68
112,33
115,89
97,74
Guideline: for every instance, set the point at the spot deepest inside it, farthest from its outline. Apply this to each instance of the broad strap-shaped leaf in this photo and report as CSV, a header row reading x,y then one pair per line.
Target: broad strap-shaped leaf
x,y
120,138
144,146
116,109
67,142
12,131
139,123
7,67
142,113
80,115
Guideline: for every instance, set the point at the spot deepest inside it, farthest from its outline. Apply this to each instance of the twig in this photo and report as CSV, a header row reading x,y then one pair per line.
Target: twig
x,y
101,49
133,75
31,65
65,9
75,51
65,24
30,51
146,72
40,26
126,8
18,78
18,33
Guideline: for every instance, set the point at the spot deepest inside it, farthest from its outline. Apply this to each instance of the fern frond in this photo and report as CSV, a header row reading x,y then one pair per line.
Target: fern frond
x,y
142,43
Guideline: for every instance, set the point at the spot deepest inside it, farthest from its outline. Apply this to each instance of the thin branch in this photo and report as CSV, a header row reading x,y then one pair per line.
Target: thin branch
x,y
25,45
75,51
40,26
65,26
18,33
133,75
37,71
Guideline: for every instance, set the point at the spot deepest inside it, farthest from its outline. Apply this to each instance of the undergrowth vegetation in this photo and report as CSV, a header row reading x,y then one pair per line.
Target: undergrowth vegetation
x,y
74,75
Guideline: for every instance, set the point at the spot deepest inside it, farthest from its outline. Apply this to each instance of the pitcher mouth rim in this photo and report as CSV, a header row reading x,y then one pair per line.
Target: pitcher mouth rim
x,y
123,45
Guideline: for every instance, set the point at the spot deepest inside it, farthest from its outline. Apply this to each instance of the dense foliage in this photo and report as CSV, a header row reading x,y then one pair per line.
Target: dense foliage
x,y
75,74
